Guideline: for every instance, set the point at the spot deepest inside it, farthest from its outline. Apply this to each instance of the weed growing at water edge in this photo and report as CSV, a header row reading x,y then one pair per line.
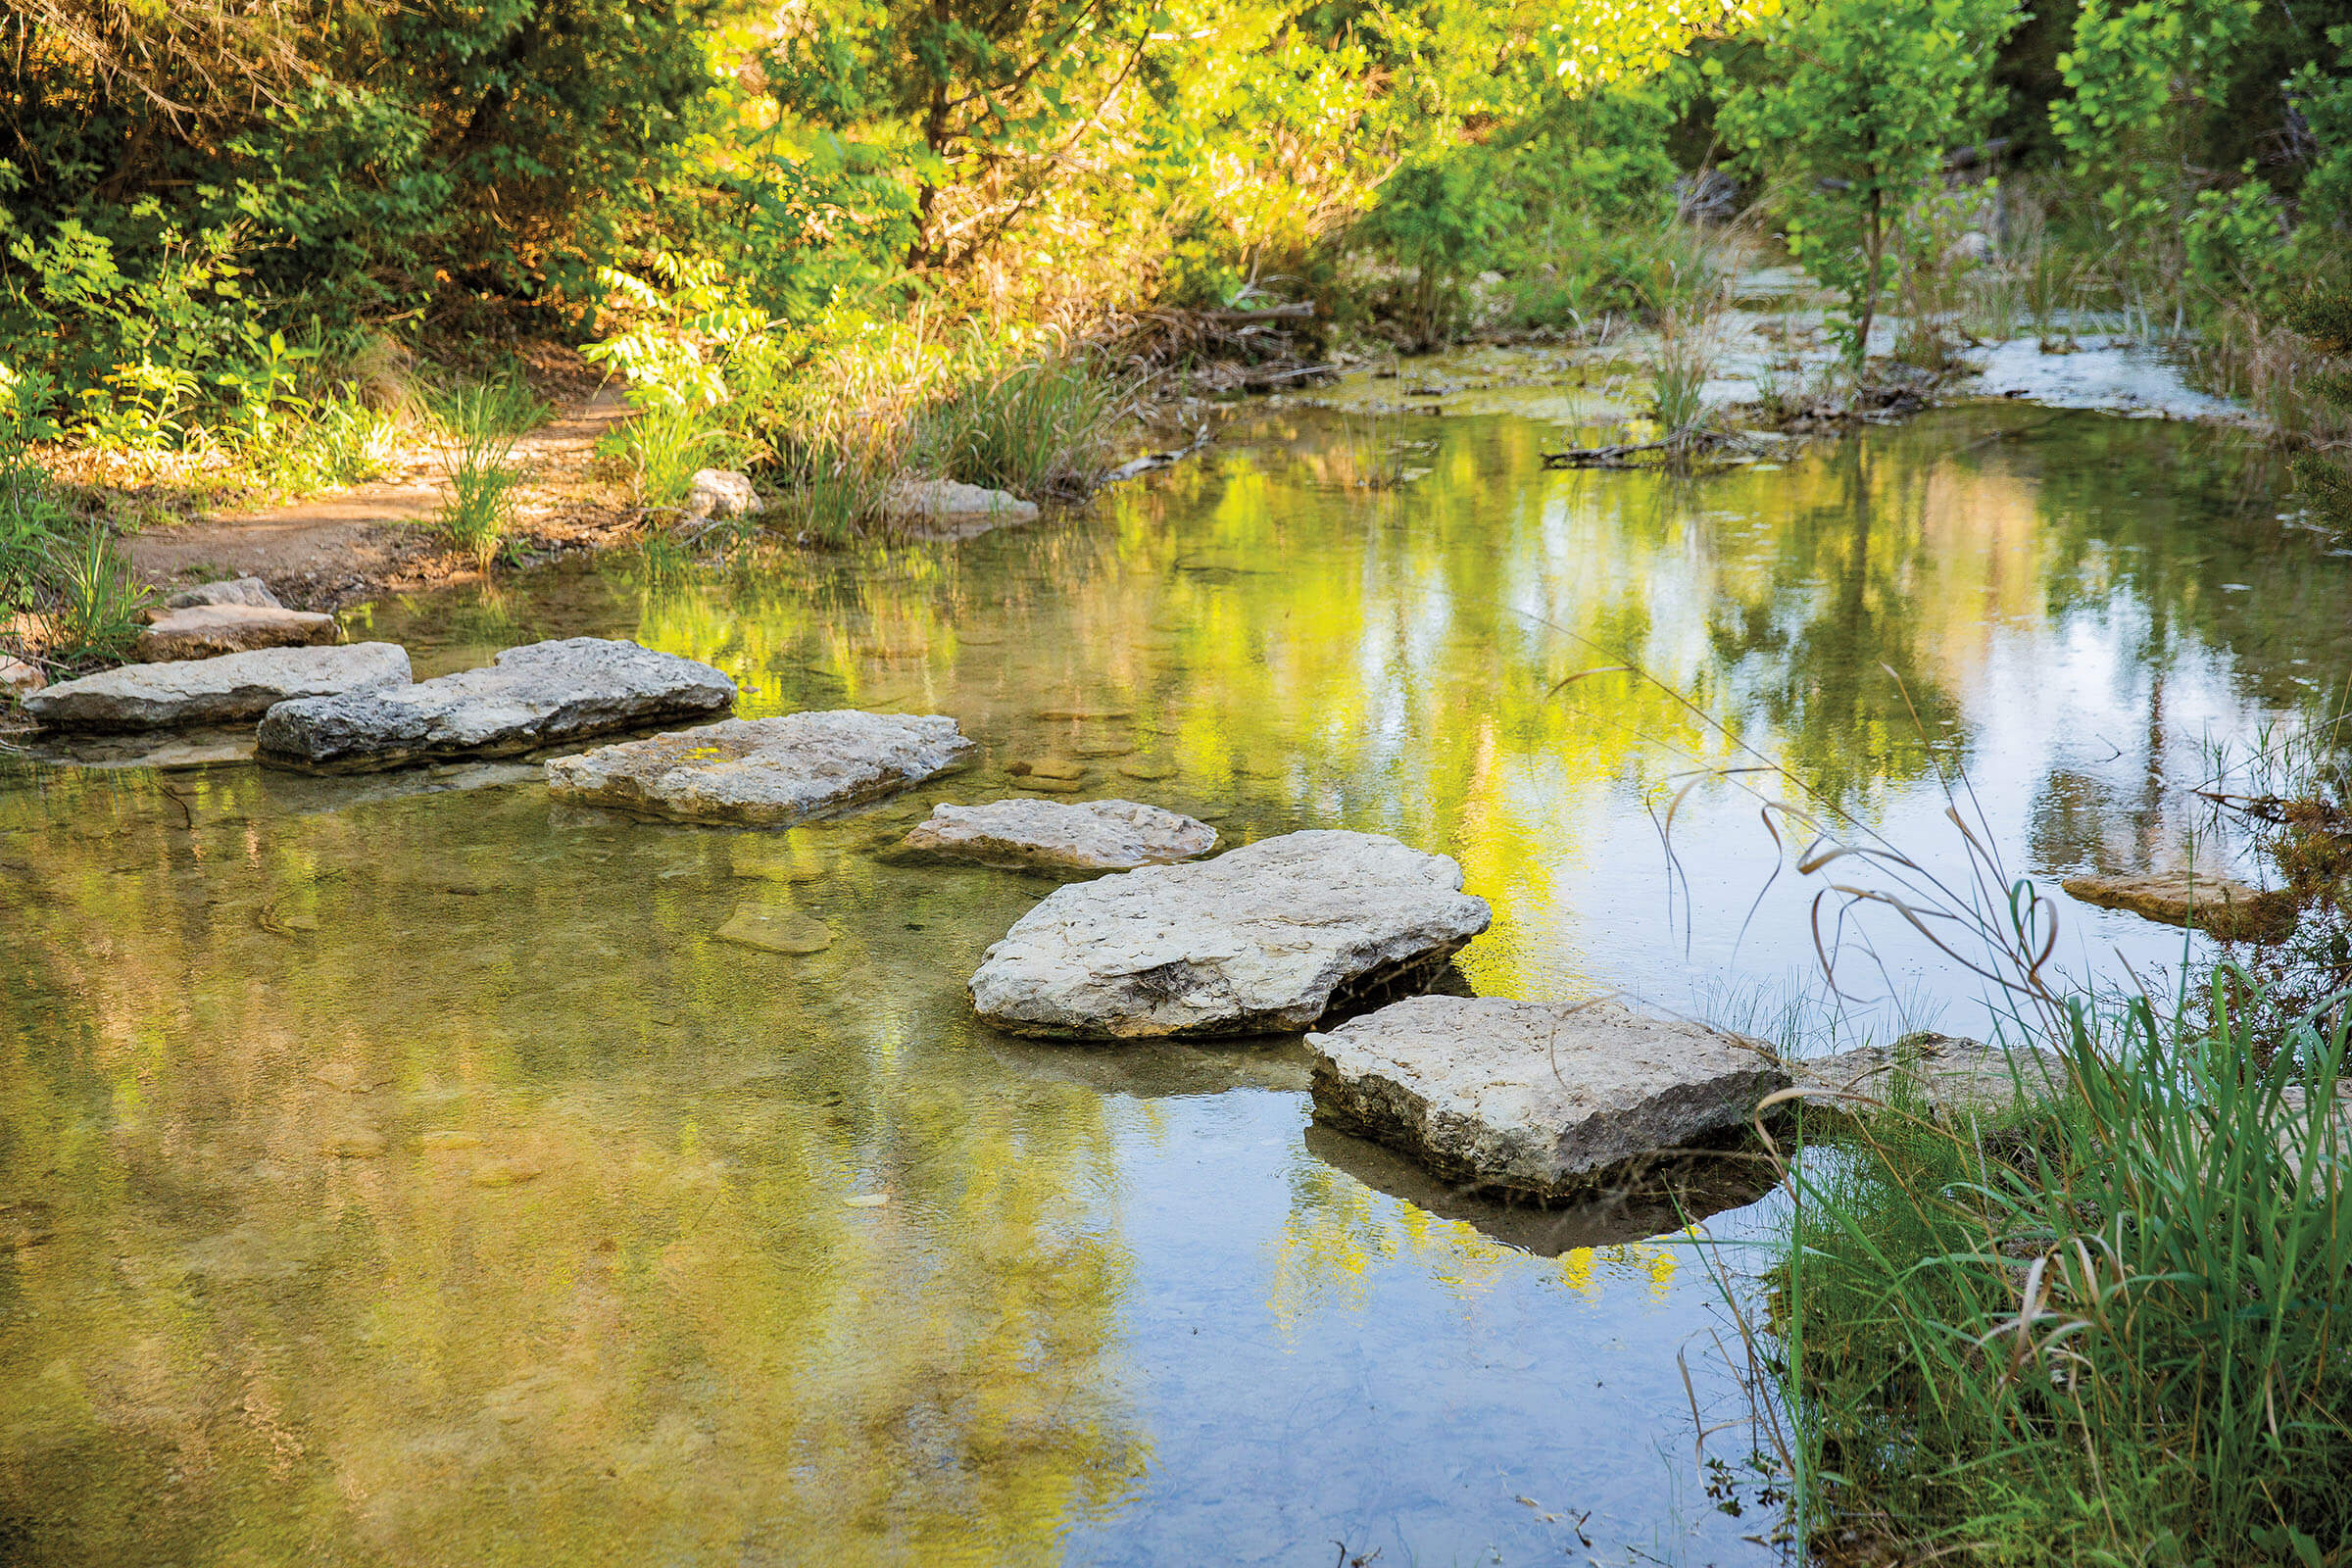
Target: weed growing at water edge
x,y
98,605
480,425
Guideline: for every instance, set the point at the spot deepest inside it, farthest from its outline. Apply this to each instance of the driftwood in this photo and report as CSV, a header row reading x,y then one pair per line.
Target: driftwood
x,y
1676,448
1158,460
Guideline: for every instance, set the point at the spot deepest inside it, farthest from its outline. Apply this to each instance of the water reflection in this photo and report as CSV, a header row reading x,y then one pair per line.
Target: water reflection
x,y
400,1169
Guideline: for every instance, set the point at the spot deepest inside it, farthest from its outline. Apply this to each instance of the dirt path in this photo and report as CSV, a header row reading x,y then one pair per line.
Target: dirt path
x,y
335,549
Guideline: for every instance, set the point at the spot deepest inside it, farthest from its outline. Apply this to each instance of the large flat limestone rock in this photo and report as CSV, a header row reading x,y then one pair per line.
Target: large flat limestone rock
x,y
764,772
207,631
2230,911
1535,1098
1265,940
540,695
216,691
1061,835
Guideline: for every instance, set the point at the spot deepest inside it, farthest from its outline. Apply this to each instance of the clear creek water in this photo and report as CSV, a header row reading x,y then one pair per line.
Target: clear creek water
x,y
397,1170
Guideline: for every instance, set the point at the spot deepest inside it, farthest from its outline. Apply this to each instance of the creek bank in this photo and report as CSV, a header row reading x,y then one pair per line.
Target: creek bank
x,y
222,690
1266,938
542,694
764,772
1018,835
1536,1100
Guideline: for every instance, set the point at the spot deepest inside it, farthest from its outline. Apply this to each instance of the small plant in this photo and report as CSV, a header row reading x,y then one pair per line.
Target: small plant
x,y
667,443
98,605
480,425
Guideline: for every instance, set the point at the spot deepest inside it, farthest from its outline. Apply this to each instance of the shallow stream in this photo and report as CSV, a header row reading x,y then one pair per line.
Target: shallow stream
x,y
399,1171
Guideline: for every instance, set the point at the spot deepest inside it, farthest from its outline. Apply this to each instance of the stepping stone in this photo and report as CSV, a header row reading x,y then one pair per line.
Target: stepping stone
x,y
216,691
2230,911
764,772
1060,836
207,631
1940,1075
775,929
1265,940
539,695
945,498
1536,1100
236,591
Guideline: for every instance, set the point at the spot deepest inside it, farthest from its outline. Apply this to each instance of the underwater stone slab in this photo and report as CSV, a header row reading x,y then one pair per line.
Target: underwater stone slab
x,y
1536,1098
207,631
539,695
764,772
2230,911
775,929
216,691
1265,940
1061,835
235,591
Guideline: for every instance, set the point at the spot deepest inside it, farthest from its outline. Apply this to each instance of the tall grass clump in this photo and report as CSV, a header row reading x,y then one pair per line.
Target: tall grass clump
x,y
481,425
2111,1330
1039,427
97,604
2103,1316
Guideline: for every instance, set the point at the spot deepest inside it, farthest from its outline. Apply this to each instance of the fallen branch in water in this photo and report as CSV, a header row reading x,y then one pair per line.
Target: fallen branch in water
x,y
1158,460
1678,447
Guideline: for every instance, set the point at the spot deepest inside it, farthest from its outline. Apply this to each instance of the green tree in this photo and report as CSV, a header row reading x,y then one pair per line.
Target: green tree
x,y
1859,100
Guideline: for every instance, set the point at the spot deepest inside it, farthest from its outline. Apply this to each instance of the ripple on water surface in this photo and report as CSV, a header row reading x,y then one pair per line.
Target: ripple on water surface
x,y
404,1170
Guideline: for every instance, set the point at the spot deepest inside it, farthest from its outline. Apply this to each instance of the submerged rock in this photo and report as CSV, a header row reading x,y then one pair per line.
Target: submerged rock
x,y
764,772
721,493
235,591
1535,1098
2230,911
216,691
945,498
1061,836
1265,940
539,695
775,929
207,631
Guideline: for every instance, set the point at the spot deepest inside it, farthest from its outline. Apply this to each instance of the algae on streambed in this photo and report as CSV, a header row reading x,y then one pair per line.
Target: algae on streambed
x,y
415,1176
